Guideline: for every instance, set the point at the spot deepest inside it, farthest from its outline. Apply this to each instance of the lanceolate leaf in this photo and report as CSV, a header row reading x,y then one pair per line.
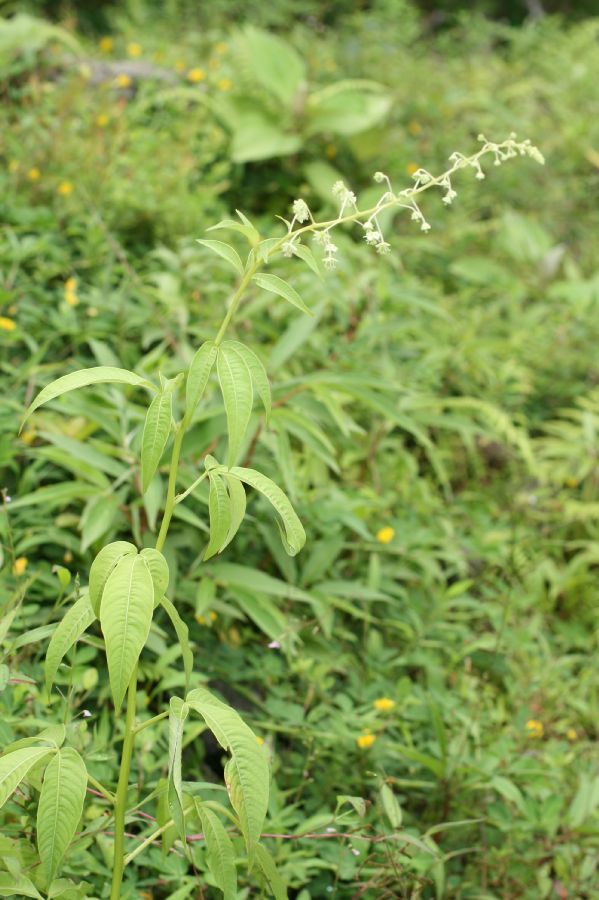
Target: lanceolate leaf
x,y
236,386
226,251
102,566
237,505
269,869
182,633
220,515
198,375
178,713
220,850
257,371
294,536
60,807
276,285
17,885
75,622
246,773
125,617
158,568
156,431
84,377
15,766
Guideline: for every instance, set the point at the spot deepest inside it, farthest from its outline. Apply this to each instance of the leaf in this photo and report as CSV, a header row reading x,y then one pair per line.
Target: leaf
x,y
226,251
276,285
220,516
248,231
17,886
274,63
295,536
271,873
75,622
237,505
15,766
198,375
220,852
157,428
182,633
98,517
103,565
391,806
257,371
158,568
178,712
60,807
125,617
82,378
238,395
308,257
246,773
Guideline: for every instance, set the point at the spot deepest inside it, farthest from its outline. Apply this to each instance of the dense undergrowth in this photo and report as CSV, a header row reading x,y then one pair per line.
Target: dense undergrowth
x,y
423,674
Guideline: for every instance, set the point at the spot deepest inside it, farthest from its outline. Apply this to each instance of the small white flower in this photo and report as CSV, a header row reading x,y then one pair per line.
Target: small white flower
x,y
274,645
373,237
425,226
383,247
300,210
86,714
355,851
379,177
287,248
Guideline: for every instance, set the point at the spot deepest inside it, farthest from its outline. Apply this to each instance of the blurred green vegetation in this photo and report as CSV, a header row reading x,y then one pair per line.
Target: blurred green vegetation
x,y
436,425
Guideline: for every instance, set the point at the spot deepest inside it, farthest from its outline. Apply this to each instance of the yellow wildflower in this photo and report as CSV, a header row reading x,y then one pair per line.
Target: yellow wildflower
x,y
19,566
384,704
28,435
385,535
122,80
260,740
105,44
330,151
571,734
221,48
365,741
571,482
13,166
535,728
70,285
7,324
411,168
134,50
180,65
213,616
414,127
12,310
196,75
34,174
102,120
65,188
224,84
68,556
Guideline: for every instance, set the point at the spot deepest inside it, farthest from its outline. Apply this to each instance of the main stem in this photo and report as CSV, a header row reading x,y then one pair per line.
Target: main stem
x,y
120,803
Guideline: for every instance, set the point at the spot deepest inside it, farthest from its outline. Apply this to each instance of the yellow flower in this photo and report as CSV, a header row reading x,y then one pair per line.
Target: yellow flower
x,y
260,740
180,65
195,75
68,556
385,535
384,704
330,151
28,435
213,616
224,84
65,188
12,310
122,80
571,734
19,566
102,120
535,728
105,44
571,482
7,324
134,50
34,174
13,166
70,285
221,47
414,127
365,741
411,168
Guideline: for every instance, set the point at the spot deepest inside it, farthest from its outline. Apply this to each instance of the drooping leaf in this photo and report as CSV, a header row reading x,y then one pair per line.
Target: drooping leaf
x,y
220,851
102,566
182,632
294,536
157,428
304,252
178,712
60,807
74,623
219,508
125,617
15,766
83,378
17,885
238,395
226,252
246,772
198,375
271,873
158,568
276,285
248,231
237,505
257,371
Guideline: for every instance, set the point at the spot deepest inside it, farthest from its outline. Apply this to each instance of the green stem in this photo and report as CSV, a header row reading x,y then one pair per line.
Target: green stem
x,y
235,301
100,787
120,804
172,484
151,721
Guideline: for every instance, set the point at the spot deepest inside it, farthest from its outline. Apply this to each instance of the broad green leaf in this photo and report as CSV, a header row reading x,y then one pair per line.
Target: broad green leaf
x,y
294,536
74,623
83,378
270,872
219,507
236,386
17,886
125,617
237,505
257,371
15,766
276,285
60,807
157,428
53,734
246,773
103,565
182,633
220,852
226,251
158,568
256,136
274,63
198,375
178,712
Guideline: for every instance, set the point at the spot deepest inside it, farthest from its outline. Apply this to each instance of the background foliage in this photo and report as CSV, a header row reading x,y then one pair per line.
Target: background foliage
x,y
423,675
